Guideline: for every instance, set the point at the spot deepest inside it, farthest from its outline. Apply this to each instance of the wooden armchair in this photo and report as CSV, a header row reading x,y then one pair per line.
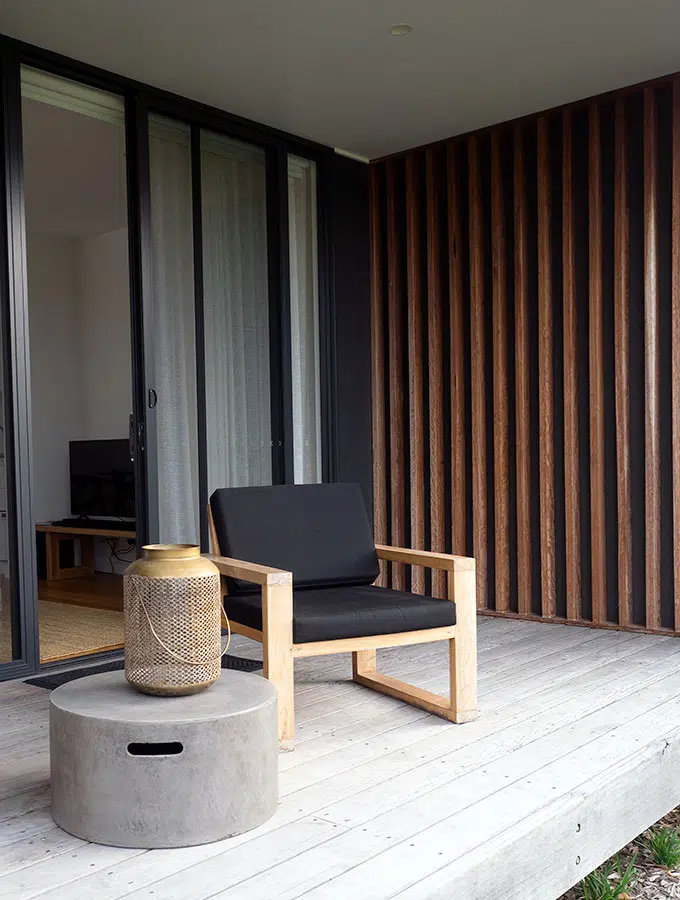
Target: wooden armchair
x,y
310,591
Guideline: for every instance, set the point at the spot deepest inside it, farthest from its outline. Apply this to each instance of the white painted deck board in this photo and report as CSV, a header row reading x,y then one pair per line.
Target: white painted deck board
x,y
381,800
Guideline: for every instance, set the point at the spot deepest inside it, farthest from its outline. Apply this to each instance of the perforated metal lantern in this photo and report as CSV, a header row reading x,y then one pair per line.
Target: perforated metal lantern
x,y
172,602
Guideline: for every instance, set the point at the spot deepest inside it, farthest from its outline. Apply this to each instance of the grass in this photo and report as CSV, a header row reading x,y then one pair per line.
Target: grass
x,y
610,882
663,845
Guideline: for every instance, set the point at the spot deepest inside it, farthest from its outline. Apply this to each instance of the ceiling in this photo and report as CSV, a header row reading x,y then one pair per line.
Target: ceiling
x,y
329,69
74,172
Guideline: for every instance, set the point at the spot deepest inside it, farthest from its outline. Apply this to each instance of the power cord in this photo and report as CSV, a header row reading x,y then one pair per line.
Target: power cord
x,y
122,556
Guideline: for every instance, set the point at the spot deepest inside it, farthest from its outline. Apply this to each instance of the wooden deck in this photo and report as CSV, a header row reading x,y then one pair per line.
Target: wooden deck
x,y
576,751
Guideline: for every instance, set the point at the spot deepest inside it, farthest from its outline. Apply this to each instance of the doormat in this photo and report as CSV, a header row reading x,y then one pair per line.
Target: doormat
x,y
238,663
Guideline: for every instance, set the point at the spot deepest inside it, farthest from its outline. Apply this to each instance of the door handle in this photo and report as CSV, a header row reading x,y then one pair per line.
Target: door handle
x,y
135,437
132,438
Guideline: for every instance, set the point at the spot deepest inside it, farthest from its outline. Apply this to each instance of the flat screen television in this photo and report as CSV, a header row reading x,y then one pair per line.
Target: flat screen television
x,y
102,479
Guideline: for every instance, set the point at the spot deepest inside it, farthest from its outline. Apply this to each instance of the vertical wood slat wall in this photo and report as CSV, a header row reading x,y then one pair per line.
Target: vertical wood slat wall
x,y
525,299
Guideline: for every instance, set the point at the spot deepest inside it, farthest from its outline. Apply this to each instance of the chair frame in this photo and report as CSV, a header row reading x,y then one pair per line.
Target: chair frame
x,y
279,651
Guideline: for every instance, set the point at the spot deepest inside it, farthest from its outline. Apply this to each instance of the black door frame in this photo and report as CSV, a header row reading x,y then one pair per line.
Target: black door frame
x,y
16,380
140,100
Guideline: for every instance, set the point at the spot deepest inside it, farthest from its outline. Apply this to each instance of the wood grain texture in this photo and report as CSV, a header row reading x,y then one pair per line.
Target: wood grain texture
x,y
214,540
500,380
651,341
675,338
359,644
596,356
435,371
442,562
99,591
463,649
252,572
522,387
545,373
378,327
54,538
277,651
622,365
572,494
364,662
478,372
588,233
65,531
397,421
457,353
480,802
415,369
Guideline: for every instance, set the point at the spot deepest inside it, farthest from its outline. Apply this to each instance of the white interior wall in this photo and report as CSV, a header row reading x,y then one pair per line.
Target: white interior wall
x,y
56,368
81,371
81,375
104,330
104,334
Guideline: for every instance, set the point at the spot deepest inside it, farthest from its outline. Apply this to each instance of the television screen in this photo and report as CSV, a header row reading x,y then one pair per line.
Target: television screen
x,y
102,479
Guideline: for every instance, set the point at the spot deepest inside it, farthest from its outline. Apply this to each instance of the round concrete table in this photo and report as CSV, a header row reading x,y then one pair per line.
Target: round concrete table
x,y
131,770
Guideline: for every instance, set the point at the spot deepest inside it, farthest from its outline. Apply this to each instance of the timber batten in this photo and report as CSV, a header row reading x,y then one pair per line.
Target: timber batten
x,y
554,289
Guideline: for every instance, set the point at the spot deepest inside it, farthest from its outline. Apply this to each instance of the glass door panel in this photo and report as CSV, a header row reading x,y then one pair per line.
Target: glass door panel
x,y
236,313
78,341
170,332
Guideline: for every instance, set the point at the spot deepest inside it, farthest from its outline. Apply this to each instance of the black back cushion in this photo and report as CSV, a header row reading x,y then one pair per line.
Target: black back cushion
x,y
319,532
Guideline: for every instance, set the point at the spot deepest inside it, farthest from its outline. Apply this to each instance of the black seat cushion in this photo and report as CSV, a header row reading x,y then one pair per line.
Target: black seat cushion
x,y
328,614
319,532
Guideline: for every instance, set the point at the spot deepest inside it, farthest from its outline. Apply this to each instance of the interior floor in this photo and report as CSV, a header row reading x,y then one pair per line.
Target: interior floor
x,y
99,591
80,616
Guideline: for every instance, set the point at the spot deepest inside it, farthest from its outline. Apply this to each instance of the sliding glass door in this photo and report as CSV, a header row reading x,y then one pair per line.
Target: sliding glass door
x,y
206,326
230,386
186,249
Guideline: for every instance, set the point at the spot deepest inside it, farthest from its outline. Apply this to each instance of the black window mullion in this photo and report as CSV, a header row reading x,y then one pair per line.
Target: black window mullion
x,y
139,249
16,369
279,316
327,319
201,411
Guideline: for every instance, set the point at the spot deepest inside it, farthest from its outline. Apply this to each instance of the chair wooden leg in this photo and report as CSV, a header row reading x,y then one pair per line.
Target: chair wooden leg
x,y
277,649
363,662
463,648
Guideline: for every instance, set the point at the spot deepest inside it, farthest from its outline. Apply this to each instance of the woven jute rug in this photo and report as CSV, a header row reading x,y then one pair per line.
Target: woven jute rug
x,y
67,631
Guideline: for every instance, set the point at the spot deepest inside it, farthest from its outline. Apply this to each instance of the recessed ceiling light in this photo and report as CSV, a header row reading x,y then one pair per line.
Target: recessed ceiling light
x,y
398,30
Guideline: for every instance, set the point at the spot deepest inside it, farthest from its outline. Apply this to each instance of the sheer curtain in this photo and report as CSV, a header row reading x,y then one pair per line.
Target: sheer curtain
x,y
236,309
171,337
304,321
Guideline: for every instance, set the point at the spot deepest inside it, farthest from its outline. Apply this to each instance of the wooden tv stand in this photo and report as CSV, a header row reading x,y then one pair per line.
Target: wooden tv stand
x,y
57,534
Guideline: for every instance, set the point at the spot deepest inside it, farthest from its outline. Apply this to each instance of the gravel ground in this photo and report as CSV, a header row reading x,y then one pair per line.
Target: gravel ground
x,y
653,882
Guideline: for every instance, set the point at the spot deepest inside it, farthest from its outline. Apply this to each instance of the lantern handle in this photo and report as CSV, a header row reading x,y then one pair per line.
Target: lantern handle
x,y
188,662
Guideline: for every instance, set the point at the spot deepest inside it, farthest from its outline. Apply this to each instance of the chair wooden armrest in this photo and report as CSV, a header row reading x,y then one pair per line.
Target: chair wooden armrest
x,y
277,628
247,571
444,561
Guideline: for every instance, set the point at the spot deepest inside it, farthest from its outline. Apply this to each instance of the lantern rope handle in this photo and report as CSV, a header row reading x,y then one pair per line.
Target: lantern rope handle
x,y
188,662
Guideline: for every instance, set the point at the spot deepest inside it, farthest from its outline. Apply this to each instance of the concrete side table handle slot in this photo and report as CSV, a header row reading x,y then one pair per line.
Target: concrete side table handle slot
x,y
134,770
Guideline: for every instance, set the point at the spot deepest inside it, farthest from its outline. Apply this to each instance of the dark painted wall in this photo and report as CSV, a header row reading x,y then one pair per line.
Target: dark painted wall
x,y
349,241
